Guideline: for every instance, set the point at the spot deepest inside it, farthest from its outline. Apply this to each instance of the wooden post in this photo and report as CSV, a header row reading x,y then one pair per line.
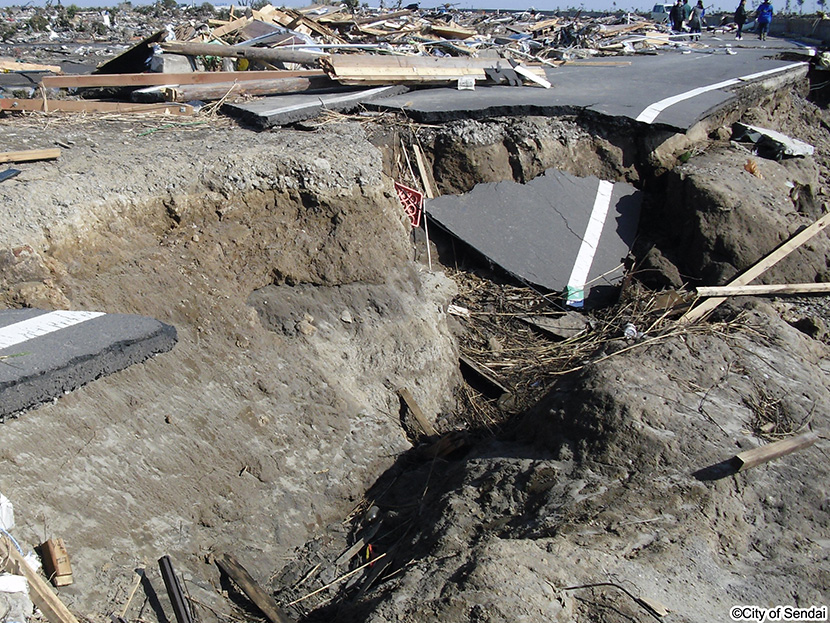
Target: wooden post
x,y
244,581
756,456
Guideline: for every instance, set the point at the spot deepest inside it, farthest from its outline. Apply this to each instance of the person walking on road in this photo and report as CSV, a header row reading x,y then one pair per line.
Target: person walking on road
x,y
764,17
740,19
696,19
687,11
676,16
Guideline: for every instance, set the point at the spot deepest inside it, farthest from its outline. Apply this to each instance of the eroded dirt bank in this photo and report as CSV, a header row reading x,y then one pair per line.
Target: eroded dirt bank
x,y
277,408
286,265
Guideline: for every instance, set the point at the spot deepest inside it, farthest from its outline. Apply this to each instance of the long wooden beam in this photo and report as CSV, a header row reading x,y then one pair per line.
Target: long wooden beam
x,y
93,106
781,288
8,64
217,91
267,55
158,79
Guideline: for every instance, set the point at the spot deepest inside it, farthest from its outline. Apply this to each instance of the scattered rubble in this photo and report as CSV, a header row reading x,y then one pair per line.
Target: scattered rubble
x,y
255,52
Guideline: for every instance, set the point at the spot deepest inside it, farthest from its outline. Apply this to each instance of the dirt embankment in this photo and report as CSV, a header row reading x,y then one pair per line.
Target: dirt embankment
x,y
612,489
285,264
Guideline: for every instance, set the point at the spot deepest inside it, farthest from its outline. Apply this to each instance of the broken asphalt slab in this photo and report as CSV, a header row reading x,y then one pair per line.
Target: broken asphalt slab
x,y
284,109
769,143
556,231
46,354
690,87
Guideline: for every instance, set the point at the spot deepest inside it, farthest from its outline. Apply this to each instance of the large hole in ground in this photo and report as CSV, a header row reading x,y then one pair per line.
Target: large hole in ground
x,y
287,270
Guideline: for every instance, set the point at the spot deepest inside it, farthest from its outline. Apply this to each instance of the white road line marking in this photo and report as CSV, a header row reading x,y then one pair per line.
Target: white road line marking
x,y
651,112
30,328
590,241
334,100
602,202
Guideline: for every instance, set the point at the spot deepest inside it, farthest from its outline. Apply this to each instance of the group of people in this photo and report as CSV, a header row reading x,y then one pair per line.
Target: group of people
x,y
763,15
682,12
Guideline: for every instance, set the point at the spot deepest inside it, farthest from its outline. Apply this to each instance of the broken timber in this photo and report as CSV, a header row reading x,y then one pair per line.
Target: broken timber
x,y
758,269
793,288
41,593
30,155
757,456
7,64
415,409
160,79
267,55
248,585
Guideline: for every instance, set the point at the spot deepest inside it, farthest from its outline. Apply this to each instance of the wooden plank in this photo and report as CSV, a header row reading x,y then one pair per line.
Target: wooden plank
x,y
268,55
422,62
93,106
56,563
791,288
426,179
192,92
248,585
359,68
548,23
8,64
30,155
227,29
449,31
696,313
415,409
40,592
756,456
524,72
157,79
483,373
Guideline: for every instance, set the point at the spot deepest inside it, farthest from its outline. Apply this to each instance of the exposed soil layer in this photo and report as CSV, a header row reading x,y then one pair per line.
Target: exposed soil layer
x,y
283,262
286,265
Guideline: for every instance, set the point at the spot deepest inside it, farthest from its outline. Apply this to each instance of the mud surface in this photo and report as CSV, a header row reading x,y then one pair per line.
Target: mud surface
x,y
286,265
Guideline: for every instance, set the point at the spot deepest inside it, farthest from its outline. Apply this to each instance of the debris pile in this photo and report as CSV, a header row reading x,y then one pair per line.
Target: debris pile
x,y
282,52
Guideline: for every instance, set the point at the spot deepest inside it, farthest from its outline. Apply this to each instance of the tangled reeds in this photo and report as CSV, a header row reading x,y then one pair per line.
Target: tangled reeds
x,y
499,338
